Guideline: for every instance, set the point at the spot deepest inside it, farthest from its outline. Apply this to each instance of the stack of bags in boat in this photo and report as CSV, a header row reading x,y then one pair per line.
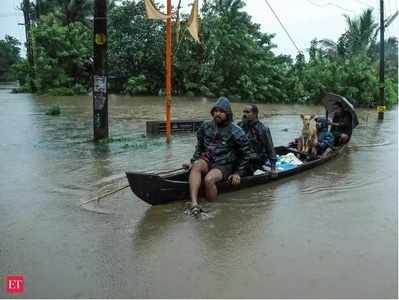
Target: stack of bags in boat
x,y
287,162
284,162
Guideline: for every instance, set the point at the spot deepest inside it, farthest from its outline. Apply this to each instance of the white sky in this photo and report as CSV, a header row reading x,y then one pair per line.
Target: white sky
x,y
304,19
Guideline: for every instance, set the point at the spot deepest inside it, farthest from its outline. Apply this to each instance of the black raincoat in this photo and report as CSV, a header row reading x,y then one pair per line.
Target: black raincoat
x,y
261,142
223,144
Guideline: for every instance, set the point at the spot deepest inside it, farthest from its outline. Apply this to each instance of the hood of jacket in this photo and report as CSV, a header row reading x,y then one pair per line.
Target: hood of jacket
x,y
224,104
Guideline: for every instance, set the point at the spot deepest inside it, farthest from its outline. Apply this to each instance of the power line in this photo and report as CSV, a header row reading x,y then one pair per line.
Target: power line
x,y
329,4
364,3
282,25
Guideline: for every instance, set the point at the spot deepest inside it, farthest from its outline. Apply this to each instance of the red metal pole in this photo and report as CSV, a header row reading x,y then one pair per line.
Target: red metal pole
x,y
168,71
381,100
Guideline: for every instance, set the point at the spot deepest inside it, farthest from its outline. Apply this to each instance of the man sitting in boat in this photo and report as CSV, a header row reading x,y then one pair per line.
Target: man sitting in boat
x,y
222,152
341,125
260,139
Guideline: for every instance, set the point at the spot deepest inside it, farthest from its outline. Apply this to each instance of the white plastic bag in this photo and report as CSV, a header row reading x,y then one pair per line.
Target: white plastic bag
x,y
291,159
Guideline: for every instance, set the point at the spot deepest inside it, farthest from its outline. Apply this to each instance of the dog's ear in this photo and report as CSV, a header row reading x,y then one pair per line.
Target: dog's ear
x,y
312,116
302,116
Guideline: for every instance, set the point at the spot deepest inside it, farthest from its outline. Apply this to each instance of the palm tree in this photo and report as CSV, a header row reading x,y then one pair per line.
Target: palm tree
x,y
358,38
361,32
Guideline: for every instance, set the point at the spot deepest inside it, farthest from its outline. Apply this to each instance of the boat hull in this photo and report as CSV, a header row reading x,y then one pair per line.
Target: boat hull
x,y
156,190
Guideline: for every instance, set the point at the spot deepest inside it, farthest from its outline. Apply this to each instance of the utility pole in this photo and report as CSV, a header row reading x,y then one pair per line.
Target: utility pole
x,y
27,18
38,12
168,71
381,102
100,93
26,9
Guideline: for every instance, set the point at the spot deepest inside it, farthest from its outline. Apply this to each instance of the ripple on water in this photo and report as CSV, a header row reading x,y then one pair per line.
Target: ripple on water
x,y
347,185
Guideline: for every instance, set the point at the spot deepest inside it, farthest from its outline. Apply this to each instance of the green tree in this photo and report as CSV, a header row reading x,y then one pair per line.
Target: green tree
x,y
9,56
69,11
361,32
235,58
136,46
62,54
359,36
391,57
350,66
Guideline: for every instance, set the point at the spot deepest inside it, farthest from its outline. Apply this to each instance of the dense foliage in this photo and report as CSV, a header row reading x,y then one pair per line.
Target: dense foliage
x,y
9,56
234,58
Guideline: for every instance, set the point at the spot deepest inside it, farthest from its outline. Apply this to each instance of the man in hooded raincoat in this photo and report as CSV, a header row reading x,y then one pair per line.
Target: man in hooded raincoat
x,y
222,153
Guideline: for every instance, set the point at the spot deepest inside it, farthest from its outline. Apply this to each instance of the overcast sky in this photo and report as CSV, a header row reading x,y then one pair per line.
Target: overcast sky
x,y
303,19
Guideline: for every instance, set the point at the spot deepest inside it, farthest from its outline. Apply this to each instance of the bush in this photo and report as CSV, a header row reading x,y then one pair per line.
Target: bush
x,y
54,110
206,92
137,85
391,93
9,56
22,73
62,56
79,89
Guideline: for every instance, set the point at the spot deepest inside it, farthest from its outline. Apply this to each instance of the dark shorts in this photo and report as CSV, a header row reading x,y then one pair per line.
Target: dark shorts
x,y
226,170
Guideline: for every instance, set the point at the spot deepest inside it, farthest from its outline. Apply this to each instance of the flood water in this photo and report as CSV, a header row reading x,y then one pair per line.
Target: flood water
x,y
330,232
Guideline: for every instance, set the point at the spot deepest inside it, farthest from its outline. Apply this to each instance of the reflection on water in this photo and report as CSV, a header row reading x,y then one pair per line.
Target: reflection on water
x,y
322,233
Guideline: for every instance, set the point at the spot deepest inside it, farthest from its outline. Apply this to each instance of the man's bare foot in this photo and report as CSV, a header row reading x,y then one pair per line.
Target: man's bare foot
x,y
195,210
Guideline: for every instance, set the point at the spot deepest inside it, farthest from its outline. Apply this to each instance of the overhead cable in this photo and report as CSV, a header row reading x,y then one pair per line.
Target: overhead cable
x,y
282,25
329,4
364,3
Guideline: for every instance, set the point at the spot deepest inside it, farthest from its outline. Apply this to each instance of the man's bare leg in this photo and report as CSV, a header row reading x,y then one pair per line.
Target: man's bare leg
x,y
213,176
199,167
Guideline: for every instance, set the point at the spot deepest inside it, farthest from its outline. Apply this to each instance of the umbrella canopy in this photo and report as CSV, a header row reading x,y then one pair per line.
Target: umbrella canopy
x,y
330,99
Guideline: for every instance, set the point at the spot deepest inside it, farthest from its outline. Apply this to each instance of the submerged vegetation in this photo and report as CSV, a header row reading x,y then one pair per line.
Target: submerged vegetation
x,y
54,110
234,58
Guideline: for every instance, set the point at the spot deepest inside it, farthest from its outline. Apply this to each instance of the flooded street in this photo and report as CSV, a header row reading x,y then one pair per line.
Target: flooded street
x,y
330,232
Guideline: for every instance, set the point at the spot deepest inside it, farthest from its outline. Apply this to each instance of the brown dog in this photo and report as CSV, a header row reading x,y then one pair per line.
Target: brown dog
x,y
308,139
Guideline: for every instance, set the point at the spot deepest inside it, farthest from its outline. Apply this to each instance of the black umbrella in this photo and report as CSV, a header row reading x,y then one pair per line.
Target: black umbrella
x,y
330,99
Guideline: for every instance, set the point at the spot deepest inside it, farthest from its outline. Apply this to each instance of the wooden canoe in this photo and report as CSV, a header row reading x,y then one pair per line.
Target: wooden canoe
x,y
155,189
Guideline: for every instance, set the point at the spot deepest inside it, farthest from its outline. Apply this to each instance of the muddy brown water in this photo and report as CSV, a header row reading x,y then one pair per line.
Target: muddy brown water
x,y
330,232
